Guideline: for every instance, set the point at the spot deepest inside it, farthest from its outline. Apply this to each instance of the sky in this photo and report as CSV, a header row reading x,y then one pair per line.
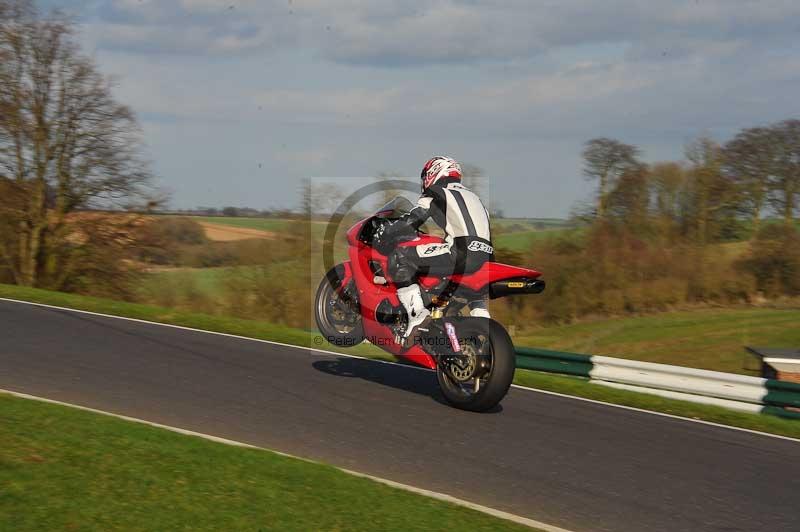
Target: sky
x,y
239,100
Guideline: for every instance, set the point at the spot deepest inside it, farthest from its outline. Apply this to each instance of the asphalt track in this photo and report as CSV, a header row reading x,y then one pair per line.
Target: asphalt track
x,y
569,463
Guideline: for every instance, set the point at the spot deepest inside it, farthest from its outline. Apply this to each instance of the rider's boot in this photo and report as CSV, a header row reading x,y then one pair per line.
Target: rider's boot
x,y
478,309
411,299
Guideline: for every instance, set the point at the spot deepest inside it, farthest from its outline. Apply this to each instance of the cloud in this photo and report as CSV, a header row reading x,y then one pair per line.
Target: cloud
x,y
413,32
316,157
364,105
579,97
312,87
190,27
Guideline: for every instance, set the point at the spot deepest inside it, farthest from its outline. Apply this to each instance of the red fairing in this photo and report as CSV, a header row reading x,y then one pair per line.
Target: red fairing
x,y
421,240
347,275
491,272
353,232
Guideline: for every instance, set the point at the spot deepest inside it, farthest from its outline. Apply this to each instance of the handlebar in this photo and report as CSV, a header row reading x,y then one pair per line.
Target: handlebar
x,y
374,234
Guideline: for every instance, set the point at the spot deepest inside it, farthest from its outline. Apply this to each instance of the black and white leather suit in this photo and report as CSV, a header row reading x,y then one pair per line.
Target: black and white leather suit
x,y
465,221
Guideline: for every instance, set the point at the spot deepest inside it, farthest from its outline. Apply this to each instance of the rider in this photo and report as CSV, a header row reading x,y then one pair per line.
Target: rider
x,y
467,246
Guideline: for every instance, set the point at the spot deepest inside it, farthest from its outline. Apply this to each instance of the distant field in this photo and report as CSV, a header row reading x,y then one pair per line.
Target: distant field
x,y
516,234
530,223
521,241
262,224
271,225
706,339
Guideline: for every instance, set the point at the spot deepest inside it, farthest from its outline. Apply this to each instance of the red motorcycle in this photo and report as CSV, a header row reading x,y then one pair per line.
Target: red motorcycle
x,y
473,357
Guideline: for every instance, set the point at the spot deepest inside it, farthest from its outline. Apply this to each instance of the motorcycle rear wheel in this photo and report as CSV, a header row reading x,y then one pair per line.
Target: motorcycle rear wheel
x,y
338,318
480,379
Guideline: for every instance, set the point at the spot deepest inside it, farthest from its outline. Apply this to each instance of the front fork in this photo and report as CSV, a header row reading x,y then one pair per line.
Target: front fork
x,y
467,359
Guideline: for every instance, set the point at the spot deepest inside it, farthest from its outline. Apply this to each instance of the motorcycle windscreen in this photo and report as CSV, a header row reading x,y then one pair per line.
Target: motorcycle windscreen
x,y
396,208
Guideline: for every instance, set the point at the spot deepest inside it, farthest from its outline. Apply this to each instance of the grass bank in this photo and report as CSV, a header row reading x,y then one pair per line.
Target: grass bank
x,y
266,331
705,339
66,469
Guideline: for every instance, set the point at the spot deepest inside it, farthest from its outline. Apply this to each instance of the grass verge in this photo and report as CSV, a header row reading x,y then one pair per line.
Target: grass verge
x,y
266,331
66,469
705,339
521,241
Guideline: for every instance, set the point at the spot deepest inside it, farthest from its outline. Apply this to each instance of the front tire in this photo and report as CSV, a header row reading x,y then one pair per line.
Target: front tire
x,y
338,317
490,345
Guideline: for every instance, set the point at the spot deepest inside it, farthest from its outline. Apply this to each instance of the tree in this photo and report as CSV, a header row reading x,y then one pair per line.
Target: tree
x,y
628,202
65,144
774,260
710,203
713,199
751,159
387,194
606,160
10,10
319,198
473,177
785,185
667,181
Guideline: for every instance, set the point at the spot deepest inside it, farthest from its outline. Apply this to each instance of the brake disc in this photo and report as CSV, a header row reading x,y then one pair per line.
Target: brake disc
x,y
462,367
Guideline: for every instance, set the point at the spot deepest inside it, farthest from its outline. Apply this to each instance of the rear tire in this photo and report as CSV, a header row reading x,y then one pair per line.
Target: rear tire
x,y
492,341
338,319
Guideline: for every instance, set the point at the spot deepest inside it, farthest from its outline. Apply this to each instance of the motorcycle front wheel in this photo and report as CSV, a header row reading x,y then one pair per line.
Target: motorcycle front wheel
x,y
338,317
477,378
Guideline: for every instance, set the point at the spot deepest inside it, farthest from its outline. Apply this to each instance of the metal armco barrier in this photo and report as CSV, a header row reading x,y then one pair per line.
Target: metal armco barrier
x,y
554,361
696,385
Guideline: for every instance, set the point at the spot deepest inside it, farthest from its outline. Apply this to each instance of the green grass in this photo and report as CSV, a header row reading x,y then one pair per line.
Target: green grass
x,y
519,234
525,224
208,281
567,385
522,240
705,339
67,469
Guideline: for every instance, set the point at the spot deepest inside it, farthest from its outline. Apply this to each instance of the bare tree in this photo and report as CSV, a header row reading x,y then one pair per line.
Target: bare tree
x,y
10,10
65,142
318,199
607,160
387,193
473,177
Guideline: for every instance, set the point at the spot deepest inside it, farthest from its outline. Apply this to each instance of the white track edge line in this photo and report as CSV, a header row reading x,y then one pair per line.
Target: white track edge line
x,y
662,414
405,487
323,351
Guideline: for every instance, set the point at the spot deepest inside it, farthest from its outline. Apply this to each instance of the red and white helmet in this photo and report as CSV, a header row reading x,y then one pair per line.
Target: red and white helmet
x,y
437,168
